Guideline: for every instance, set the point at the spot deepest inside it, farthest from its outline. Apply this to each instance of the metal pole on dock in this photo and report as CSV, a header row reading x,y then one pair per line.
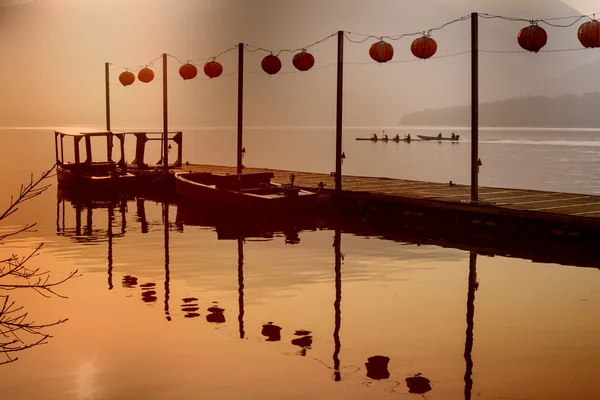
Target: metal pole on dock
x,y
107,83
240,105
165,117
474,107
338,120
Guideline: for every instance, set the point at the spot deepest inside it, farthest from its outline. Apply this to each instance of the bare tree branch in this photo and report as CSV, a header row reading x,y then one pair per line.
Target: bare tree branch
x,y
17,331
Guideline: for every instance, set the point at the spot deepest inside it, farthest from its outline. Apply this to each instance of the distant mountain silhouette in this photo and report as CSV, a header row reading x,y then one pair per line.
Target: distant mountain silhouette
x,y
533,111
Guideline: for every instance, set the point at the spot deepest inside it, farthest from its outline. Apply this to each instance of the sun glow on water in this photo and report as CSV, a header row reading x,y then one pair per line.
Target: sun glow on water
x,y
85,381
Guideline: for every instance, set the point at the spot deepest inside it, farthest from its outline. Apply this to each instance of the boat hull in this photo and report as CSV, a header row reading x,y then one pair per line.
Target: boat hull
x,y
269,198
97,178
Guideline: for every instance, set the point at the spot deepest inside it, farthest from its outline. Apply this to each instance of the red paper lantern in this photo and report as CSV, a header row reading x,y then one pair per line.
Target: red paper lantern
x,y
271,64
589,34
381,51
127,78
188,71
212,69
146,75
532,38
303,61
423,47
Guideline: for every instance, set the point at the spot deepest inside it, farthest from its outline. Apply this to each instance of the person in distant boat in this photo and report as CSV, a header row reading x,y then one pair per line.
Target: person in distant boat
x,y
374,137
408,137
453,136
385,136
440,135
397,137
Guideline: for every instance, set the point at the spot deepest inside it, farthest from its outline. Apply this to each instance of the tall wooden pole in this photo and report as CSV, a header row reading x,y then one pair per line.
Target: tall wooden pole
x,y
240,106
474,107
107,83
338,119
165,117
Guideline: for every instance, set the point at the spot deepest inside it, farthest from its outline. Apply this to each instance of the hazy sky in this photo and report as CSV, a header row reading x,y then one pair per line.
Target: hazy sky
x,y
54,52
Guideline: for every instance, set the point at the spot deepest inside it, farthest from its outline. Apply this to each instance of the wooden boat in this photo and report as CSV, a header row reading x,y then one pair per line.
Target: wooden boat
x,y
99,176
447,139
236,192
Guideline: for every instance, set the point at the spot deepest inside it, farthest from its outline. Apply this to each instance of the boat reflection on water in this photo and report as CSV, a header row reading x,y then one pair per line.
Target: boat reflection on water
x,y
235,226
87,232
239,228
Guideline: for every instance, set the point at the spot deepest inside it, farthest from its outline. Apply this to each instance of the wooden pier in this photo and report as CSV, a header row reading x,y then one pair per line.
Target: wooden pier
x,y
518,202
517,218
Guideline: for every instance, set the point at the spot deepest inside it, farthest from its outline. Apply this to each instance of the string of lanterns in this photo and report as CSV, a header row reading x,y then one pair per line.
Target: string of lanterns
x,y
531,38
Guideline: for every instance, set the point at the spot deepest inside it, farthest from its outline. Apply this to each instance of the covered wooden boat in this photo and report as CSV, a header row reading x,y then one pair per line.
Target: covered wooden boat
x,y
253,191
98,176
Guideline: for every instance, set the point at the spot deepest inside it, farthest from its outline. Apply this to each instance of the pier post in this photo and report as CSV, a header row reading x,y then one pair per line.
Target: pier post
x,y
474,107
339,109
107,84
165,117
240,105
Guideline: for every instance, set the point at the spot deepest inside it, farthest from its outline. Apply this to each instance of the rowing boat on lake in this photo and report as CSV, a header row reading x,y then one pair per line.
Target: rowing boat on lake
x,y
447,139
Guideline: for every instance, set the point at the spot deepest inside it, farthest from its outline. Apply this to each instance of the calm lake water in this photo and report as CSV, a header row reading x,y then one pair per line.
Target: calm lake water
x,y
172,304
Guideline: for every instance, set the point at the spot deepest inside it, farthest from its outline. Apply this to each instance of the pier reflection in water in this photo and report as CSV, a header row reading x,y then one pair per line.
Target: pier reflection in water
x,y
375,366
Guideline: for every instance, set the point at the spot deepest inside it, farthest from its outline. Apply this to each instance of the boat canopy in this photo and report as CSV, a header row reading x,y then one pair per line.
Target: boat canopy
x,y
83,131
86,133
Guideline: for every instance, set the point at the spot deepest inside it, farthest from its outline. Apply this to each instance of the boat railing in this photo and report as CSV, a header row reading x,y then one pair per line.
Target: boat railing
x,y
142,137
140,148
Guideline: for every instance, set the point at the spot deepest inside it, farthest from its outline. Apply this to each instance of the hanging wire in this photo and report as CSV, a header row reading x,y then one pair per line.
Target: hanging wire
x,y
250,48
397,37
150,64
411,59
197,62
294,72
525,51
576,19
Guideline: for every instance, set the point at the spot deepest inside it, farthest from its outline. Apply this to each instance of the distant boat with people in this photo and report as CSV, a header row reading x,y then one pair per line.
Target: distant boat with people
x,y
452,138
385,138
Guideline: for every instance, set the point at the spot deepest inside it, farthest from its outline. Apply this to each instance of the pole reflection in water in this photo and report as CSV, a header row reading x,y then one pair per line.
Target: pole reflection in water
x,y
141,214
473,286
78,208
111,216
167,272
337,244
240,242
